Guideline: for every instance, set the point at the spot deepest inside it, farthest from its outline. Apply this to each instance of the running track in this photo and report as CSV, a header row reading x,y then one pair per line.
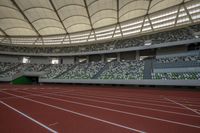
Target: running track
x,y
92,109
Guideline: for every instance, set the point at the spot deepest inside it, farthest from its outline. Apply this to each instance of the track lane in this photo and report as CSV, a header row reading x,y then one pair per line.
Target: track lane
x,y
127,93
171,107
182,105
111,102
156,114
126,105
134,103
127,119
151,93
13,122
77,122
132,96
140,104
144,100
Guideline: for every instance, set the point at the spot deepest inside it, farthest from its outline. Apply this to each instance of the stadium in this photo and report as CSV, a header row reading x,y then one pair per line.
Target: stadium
x,y
99,66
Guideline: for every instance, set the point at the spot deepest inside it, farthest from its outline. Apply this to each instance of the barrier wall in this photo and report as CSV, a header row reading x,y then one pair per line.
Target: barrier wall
x,y
126,82
120,82
168,44
22,80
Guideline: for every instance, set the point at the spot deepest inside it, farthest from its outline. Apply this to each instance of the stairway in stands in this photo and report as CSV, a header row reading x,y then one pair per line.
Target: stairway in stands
x,y
11,68
101,71
66,71
148,67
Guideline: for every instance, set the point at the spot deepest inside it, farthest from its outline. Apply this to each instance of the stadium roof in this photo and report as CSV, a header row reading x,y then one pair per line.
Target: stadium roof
x,y
75,21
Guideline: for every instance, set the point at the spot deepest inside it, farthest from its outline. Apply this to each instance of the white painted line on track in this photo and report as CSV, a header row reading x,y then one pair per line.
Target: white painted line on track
x,y
185,99
113,103
53,124
4,98
125,105
182,105
160,100
28,117
123,100
119,111
77,113
129,97
121,96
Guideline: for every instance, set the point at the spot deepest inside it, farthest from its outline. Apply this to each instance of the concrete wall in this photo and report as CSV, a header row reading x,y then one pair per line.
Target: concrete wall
x,y
39,60
126,82
128,55
68,60
177,70
6,58
162,45
94,58
171,50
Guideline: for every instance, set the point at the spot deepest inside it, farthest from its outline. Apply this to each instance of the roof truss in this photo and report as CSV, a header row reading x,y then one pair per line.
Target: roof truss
x,y
88,13
26,18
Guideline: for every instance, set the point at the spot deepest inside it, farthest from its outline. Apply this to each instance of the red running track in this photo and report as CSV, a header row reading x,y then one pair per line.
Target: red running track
x,y
92,109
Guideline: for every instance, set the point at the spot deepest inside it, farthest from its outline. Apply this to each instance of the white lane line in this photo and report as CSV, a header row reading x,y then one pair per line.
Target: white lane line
x,y
117,99
156,100
129,97
113,98
125,105
77,113
49,92
139,98
28,117
113,103
4,98
53,124
182,105
119,111
123,100
133,98
122,96
185,99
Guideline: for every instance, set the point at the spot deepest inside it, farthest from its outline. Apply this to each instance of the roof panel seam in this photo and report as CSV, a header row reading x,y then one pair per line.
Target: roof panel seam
x,y
65,6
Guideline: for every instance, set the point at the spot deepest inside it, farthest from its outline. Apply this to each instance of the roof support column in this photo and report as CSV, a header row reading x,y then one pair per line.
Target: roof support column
x,y
147,15
118,22
88,13
54,8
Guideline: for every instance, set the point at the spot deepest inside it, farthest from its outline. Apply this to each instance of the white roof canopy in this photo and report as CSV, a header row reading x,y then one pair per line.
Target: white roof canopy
x,y
42,18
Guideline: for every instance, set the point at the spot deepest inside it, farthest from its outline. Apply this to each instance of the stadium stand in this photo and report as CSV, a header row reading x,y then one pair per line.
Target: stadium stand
x,y
115,70
182,67
156,46
185,67
177,76
5,66
83,71
11,69
53,70
124,70
157,38
100,66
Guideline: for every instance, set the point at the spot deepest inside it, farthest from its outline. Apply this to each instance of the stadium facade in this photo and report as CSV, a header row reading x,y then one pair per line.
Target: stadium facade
x,y
140,42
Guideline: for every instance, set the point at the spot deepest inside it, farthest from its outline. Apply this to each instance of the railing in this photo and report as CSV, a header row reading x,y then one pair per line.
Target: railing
x,y
134,48
180,64
126,82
